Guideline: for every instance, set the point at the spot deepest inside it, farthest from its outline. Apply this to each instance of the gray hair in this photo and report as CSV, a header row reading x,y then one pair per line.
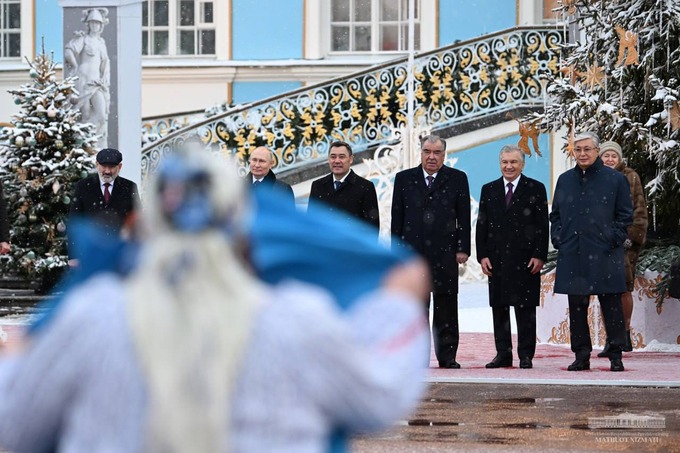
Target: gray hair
x,y
511,149
432,138
588,135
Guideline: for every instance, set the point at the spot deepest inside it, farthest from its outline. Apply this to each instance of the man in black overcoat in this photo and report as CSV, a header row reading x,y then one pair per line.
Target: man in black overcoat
x,y
105,197
512,246
261,175
431,213
344,191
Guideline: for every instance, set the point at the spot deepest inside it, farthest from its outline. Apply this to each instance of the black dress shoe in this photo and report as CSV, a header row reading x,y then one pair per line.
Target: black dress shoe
x,y
605,350
579,365
525,363
500,362
450,364
616,365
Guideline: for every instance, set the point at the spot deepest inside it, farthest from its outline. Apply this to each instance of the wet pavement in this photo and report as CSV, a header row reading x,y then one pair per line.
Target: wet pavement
x,y
462,417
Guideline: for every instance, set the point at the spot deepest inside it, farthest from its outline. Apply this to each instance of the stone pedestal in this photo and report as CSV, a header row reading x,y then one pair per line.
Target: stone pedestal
x,y
648,323
123,37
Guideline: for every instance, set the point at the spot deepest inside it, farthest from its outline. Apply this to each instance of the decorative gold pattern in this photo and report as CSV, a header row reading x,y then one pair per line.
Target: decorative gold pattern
x,y
570,72
674,116
570,6
457,83
561,334
628,52
570,142
594,75
547,285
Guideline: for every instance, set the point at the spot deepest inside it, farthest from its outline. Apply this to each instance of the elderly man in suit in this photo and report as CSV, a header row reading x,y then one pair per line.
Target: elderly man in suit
x,y
512,246
343,190
105,197
590,215
261,175
431,213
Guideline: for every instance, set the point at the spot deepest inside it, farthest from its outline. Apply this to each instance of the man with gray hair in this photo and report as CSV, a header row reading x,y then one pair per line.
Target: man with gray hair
x,y
261,174
590,215
512,246
431,213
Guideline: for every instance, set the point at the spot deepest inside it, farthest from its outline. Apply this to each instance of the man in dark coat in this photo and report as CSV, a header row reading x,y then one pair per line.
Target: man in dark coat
x,y
261,175
105,197
431,213
590,215
343,190
512,246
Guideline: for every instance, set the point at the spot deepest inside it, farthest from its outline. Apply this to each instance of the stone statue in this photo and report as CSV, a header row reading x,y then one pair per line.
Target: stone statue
x,y
85,56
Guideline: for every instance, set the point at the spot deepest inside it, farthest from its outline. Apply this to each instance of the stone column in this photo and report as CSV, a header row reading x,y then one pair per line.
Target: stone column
x,y
114,92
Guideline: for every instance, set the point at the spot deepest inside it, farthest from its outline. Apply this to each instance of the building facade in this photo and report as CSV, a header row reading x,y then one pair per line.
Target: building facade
x,y
200,53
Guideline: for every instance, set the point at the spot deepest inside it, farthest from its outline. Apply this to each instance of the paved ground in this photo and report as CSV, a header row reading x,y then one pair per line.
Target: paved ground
x,y
545,409
535,418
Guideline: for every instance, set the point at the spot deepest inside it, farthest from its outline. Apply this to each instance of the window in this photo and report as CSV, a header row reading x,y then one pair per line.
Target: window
x,y
548,14
178,27
10,28
372,25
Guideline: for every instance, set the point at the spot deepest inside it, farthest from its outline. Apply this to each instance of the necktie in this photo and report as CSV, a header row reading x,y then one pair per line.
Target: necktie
x,y
508,195
337,184
430,180
107,194
257,181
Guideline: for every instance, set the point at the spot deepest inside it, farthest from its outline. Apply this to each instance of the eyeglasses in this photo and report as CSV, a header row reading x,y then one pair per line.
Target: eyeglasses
x,y
586,150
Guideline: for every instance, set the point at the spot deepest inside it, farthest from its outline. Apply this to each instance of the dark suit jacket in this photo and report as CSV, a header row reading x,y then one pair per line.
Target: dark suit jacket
x,y
511,237
435,222
356,197
88,201
270,181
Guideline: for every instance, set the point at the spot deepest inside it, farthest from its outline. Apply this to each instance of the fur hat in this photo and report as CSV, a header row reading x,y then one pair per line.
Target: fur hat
x,y
611,146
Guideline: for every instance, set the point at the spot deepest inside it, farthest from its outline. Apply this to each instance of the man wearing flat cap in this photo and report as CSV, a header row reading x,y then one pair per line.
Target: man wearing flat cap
x,y
104,197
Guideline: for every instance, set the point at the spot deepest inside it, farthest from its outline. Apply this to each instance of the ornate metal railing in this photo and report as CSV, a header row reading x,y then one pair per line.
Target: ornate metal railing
x,y
157,127
453,84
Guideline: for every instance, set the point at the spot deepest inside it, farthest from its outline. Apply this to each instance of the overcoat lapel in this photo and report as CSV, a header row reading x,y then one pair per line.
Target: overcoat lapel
x,y
439,181
498,196
519,191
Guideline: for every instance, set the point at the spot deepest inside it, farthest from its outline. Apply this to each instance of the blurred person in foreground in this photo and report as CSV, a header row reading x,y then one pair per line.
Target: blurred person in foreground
x,y
192,353
590,215
512,246
612,156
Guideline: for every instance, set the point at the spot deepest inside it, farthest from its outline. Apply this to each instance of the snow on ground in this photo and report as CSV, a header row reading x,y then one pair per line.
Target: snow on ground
x,y
474,313
655,346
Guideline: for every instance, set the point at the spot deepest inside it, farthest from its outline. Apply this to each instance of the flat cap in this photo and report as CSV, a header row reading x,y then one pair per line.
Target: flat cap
x,y
109,156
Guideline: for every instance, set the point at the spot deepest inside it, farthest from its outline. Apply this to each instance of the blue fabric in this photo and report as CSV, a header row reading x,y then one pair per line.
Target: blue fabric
x,y
97,252
323,248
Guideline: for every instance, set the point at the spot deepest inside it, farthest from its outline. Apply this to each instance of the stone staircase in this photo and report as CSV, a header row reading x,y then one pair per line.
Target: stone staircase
x,y
18,296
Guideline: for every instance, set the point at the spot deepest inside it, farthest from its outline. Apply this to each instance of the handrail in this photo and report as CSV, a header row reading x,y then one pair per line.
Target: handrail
x,y
455,83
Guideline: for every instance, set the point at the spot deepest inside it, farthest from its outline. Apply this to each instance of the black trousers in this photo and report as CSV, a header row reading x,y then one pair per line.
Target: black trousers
x,y
526,331
612,311
445,332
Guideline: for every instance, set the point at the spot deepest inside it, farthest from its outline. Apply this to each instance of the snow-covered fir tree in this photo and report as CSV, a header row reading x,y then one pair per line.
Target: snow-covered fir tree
x,y
621,78
45,154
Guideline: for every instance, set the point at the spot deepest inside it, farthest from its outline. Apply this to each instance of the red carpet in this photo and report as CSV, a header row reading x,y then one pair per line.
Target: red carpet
x,y
657,369
550,366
